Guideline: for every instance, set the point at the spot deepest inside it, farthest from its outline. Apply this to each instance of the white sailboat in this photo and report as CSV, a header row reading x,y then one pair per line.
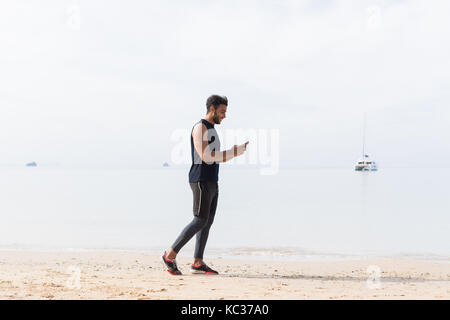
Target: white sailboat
x,y
365,163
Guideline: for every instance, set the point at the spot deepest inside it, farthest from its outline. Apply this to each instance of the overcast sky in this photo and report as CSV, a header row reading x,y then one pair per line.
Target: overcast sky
x,y
93,82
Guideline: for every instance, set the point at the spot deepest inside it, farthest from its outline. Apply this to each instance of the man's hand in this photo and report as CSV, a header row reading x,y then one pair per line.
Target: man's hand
x,y
239,149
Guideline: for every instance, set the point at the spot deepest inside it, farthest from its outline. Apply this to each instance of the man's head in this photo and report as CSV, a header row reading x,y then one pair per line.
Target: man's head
x,y
216,107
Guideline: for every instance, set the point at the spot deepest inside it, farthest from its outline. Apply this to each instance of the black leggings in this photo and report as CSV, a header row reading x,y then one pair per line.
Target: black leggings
x,y
205,194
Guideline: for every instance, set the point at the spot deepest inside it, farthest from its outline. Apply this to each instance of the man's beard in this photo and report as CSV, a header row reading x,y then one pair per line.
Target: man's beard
x,y
216,118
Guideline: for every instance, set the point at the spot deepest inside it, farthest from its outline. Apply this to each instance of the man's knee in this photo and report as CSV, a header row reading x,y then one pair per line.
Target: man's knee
x,y
200,223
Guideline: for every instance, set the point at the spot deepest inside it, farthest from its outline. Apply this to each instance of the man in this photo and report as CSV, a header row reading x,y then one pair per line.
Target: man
x,y
203,179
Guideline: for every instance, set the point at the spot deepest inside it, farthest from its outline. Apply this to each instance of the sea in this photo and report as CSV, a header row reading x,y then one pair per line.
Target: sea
x,y
309,214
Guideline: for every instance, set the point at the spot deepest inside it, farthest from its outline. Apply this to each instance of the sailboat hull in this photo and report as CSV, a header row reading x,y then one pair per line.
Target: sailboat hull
x,y
361,168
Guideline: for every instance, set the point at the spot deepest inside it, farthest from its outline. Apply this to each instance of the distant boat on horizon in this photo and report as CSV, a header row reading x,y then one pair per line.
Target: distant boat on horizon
x,y
31,164
365,164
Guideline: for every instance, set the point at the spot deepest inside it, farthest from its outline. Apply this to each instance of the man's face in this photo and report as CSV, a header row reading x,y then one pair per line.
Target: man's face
x,y
219,113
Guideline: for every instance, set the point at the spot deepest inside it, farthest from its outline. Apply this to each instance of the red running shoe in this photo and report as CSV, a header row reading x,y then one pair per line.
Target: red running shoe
x,y
171,266
203,269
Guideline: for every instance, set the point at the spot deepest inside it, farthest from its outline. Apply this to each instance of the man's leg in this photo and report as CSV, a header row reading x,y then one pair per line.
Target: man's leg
x,y
202,235
201,208
188,232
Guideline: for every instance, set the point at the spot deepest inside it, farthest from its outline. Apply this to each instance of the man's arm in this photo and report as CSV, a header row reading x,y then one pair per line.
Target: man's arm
x,y
200,138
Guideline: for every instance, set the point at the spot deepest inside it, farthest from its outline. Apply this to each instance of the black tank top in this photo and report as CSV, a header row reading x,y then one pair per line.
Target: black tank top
x,y
200,170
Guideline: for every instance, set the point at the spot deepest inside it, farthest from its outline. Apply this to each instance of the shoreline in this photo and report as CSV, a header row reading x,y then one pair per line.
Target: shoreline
x,y
102,275
262,254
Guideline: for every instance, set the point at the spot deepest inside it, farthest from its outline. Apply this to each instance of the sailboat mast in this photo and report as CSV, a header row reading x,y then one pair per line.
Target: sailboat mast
x,y
364,138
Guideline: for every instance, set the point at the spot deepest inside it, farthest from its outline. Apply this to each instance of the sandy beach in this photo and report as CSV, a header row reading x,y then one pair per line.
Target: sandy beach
x,y
135,275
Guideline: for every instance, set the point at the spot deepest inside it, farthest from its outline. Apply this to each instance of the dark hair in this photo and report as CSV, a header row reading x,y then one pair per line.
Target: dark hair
x,y
216,100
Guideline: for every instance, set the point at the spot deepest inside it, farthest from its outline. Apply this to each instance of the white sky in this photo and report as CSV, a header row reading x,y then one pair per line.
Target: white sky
x,y
113,88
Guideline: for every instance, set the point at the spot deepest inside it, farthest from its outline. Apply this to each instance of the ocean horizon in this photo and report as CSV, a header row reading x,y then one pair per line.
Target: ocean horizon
x,y
296,214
